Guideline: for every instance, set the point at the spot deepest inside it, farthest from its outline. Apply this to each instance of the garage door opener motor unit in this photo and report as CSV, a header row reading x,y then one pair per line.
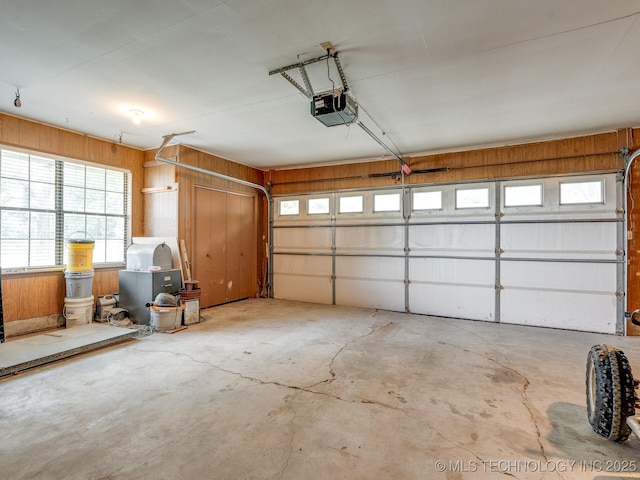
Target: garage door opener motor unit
x,y
332,109
335,107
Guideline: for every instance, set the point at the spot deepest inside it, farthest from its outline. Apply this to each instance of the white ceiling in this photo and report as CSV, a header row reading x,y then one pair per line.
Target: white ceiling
x,y
433,75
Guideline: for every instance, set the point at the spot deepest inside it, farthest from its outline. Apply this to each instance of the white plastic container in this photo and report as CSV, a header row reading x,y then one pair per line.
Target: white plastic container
x,y
164,319
104,305
78,311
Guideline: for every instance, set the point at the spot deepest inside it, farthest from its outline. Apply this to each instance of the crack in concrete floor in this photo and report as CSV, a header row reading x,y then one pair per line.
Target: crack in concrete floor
x,y
335,397
525,398
293,434
352,341
307,389
333,376
525,386
296,388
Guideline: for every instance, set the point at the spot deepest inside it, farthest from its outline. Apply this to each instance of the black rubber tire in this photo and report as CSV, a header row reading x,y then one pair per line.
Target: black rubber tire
x,y
610,392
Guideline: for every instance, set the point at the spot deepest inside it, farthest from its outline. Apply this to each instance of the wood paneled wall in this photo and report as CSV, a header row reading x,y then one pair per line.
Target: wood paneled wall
x,y
21,133
39,294
160,196
162,175
632,141
42,294
572,155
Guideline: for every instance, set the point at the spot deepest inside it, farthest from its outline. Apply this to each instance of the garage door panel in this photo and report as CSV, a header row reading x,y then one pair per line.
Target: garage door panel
x,y
475,302
304,278
466,239
387,295
571,311
366,283
599,278
312,240
560,240
364,268
370,239
452,270
574,296
452,287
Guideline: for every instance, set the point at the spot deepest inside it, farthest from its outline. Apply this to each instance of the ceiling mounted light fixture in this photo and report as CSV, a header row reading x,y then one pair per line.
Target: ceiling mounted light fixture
x,y
136,115
17,102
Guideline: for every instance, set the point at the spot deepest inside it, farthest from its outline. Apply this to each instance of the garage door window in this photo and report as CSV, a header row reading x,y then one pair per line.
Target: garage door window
x,y
472,198
352,204
523,195
318,206
289,207
581,192
427,200
389,202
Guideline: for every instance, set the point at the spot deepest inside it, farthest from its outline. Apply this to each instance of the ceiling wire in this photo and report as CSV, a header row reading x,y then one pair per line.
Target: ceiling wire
x,y
384,133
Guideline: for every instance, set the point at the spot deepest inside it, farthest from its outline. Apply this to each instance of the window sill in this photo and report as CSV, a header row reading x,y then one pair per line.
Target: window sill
x,y
14,272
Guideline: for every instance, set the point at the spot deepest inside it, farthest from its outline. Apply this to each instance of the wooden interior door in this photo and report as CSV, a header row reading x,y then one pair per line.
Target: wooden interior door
x,y
225,245
240,261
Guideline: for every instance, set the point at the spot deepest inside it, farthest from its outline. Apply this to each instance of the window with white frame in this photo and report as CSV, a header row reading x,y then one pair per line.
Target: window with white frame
x,y
386,202
427,200
46,201
289,207
351,204
523,195
318,206
573,193
472,198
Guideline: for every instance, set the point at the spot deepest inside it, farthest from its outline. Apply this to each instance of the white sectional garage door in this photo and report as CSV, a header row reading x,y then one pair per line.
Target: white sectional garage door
x,y
544,252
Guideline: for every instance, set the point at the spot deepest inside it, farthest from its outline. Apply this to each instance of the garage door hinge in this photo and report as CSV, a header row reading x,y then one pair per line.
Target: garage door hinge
x,y
619,294
499,287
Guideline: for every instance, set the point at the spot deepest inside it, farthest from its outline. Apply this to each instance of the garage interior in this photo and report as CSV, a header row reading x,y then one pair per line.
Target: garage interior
x,y
409,222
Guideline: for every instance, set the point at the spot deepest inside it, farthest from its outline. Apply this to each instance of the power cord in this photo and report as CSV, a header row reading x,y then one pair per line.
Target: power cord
x,y
143,330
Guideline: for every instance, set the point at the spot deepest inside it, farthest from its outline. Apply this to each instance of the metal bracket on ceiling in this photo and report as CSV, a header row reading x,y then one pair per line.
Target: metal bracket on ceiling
x,y
287,77
301,66
308,92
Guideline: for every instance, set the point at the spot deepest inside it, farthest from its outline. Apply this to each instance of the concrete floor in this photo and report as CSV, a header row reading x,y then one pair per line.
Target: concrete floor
x,y
270,389
28,351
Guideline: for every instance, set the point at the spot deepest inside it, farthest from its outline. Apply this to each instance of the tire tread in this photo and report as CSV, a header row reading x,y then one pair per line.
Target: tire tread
x,y
614,395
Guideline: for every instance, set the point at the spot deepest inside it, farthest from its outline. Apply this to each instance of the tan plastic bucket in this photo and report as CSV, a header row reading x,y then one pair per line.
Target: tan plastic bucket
x,y
78,311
